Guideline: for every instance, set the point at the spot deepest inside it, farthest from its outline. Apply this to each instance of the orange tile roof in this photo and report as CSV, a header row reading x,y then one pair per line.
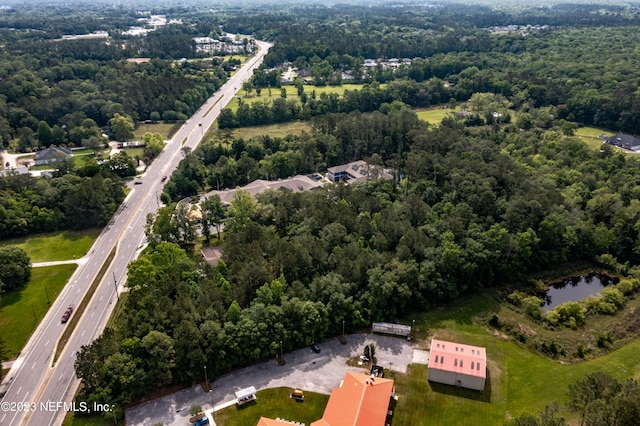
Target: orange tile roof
x,y
358,402
458,358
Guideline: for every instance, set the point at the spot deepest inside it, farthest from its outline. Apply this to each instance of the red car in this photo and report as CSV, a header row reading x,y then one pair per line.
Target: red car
x,y
66,315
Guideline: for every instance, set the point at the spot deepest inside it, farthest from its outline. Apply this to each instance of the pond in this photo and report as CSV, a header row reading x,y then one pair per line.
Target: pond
x,y
574,289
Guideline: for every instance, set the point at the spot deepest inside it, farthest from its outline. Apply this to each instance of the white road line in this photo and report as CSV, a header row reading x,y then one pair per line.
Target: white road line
x,y
60,378
2,419
93,313
82,333
47,344
34,365
19,390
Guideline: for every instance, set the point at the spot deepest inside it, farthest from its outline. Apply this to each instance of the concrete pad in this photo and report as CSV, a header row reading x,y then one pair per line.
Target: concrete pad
x,y
420,357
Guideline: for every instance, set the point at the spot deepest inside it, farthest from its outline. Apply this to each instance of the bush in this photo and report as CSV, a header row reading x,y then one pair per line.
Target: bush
x,y
613,295
628,286
604,339
494,320
531,306
562,314
516,297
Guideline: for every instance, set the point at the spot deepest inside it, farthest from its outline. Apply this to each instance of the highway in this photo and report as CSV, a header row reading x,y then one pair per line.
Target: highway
x,y
36,390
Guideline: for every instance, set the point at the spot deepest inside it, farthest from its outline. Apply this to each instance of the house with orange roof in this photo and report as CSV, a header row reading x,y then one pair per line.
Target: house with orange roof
x,y
457,364
360,400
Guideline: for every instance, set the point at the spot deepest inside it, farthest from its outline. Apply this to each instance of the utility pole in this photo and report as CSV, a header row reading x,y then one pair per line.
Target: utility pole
x,y
115,283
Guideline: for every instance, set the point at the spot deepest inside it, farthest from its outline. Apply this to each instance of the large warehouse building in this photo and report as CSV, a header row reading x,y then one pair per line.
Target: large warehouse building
x,y
457,364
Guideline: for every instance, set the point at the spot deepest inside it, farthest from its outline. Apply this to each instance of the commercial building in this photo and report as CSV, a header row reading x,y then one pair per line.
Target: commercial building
x,y
457,364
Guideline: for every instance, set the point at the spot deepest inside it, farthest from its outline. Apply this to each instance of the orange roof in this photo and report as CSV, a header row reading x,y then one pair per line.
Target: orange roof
x,y
359,401
458,358
264,421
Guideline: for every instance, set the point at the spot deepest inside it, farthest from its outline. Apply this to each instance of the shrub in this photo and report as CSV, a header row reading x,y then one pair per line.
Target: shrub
x,y
562,314
494,320
592,304
531,306
604,339
613,295
628,286
516,297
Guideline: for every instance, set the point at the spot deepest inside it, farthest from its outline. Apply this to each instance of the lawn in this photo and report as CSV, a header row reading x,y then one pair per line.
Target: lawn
x,y
275,130
165,129
65,245
434,116
274,403
519,381
589,135
21,311
95,420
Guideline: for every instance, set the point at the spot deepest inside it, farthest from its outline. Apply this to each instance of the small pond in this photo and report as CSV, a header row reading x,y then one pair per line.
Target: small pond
x,y
574,289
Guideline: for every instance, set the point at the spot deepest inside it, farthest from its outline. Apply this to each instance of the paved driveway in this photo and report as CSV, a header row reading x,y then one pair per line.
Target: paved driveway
x,y
304,369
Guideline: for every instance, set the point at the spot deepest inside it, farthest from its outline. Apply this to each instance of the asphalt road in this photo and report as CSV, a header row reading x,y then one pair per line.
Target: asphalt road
x,y
35,388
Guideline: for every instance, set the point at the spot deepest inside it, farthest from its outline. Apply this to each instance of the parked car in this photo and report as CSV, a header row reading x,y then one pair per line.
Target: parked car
x,y
315,348
66,315
163,178
203,421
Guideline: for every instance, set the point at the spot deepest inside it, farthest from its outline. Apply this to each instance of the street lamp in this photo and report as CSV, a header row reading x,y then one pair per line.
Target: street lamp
x,y
280,350
342,330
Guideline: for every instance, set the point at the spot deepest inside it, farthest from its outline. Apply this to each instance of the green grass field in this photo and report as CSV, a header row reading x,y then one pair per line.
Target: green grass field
x,y
274,403
21,311
165,129
275,130
590,136
65,245
433,116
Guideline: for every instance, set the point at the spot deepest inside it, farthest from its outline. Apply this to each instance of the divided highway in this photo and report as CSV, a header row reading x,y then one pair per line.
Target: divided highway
x,y
40,393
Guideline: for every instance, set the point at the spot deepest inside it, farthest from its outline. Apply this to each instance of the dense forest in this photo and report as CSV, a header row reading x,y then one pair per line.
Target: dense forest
x,y
52,85
480,206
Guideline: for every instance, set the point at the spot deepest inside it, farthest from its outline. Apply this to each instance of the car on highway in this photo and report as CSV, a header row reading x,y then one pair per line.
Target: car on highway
x,y
66,315
138,182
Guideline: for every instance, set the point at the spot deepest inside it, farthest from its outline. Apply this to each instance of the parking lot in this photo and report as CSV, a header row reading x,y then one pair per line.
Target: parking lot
x,y
317,372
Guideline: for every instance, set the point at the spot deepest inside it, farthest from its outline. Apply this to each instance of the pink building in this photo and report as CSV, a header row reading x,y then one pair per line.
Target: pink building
x,y
457,364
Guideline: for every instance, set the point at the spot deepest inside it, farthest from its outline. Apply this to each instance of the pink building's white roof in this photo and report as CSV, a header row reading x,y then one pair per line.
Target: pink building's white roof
x,y
458,358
